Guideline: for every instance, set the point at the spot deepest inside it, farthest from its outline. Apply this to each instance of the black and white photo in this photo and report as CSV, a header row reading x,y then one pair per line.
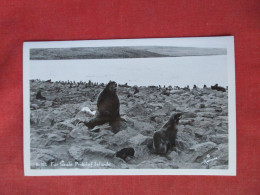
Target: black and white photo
x,y
130,107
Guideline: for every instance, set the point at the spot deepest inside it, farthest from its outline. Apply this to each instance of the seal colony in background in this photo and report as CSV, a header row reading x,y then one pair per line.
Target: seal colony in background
x,y
108,111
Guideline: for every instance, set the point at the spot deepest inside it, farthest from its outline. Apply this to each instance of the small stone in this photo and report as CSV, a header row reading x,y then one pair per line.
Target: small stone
x,y
202,105
173,155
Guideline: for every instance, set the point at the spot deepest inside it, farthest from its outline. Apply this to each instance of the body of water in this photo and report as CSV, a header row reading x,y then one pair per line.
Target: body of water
x,y
174,71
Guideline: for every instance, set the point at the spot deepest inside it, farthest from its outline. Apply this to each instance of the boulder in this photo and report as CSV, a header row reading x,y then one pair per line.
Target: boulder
x,y
201,150
76,152
219,139
158,163
138,140
48,104
189,115
66,125
137,109
54,139
221,154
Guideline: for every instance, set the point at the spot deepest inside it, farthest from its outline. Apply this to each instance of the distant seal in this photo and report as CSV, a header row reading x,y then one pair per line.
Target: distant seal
x,y
218,88
164,139
165,92
125,152
136,90
39,96
108,106
187,88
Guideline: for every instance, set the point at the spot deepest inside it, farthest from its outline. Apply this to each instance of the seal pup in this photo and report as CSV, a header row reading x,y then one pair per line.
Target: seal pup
x,y
108,106
164,138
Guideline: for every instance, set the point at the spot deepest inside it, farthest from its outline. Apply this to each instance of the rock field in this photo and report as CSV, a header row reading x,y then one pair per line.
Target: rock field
x,y
60,140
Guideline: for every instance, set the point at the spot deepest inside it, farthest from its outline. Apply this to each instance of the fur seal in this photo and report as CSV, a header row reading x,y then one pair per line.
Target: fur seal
x,y
108,106
218,88
164,138
136,90
186,88
39,96
125,152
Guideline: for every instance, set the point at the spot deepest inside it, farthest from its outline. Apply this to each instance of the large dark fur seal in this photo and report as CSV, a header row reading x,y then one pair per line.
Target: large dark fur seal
x,y
164,139
108,106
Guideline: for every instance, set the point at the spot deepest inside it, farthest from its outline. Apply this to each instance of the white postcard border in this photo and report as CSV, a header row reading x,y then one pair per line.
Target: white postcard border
x,y
224,41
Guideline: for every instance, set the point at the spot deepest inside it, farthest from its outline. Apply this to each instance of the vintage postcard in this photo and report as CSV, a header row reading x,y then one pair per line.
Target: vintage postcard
x,y
161,106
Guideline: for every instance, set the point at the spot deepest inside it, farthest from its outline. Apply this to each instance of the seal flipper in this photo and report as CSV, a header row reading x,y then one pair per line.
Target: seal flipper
x,y
95,122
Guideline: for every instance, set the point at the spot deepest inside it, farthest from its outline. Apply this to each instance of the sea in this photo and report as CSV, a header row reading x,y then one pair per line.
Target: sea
x,y
168,71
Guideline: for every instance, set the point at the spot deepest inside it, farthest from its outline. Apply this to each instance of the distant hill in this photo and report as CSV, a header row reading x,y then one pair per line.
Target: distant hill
x,y
121,52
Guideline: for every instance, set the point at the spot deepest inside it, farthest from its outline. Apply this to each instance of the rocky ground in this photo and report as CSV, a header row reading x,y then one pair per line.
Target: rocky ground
x,y
59,140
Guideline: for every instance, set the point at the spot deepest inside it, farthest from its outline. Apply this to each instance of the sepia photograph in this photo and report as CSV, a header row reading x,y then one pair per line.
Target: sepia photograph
x,y
162,106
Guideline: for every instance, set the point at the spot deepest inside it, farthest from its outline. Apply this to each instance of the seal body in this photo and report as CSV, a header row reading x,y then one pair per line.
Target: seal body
x,y
108,103
164,139
108,107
